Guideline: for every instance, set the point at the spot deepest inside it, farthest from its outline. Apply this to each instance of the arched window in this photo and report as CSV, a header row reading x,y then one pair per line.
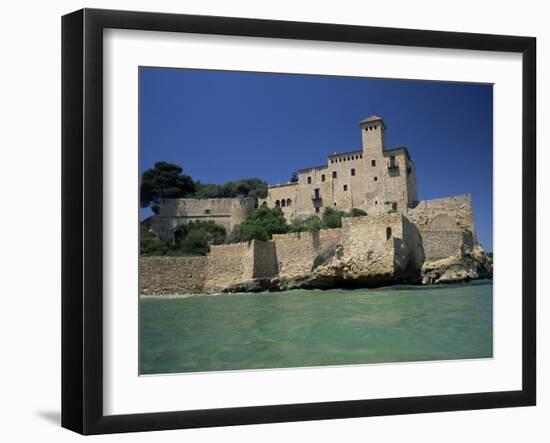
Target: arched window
x,y
288,202
277,203
283,203
388,233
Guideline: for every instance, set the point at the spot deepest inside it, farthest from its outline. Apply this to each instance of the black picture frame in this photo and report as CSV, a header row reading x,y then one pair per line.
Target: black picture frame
x,y
82,215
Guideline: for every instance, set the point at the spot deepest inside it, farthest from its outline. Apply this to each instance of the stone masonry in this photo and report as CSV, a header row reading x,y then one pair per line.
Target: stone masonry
x,y
400,238
174,213
374,178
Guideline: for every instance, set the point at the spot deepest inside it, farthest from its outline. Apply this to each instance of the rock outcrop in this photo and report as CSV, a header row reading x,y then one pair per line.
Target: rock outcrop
x,y
469,266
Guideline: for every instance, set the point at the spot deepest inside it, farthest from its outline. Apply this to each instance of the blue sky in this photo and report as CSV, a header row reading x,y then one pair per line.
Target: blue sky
x,y
221,126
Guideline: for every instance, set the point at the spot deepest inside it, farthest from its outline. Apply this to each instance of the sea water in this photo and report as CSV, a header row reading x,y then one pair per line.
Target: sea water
x,y
301,328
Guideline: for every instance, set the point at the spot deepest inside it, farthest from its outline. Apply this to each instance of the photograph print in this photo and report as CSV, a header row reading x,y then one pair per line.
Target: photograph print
x,y
295,221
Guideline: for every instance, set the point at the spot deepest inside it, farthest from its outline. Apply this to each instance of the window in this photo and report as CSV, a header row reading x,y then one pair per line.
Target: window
x,y
375,202
288,201
309,180
375,179
207,211
322,177
373,163
394,206
345,187
283,203
352,171
333,174
278,203
334,203
388,233
317,209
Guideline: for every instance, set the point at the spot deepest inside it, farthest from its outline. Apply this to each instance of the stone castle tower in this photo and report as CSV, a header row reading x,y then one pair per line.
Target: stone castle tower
x,y
374,178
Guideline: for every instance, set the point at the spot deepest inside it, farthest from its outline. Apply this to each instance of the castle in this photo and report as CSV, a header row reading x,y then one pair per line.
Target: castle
x,y
401,238
373,178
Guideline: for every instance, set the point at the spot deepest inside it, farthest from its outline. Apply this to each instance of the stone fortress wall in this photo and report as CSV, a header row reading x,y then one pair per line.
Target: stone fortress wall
x,y
296,252
383,245
172,275
443,244
173,213
446,226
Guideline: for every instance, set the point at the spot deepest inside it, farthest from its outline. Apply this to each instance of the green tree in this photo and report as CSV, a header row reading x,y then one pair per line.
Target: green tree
x,y
150,243
247,187
164,180
196,237
260,225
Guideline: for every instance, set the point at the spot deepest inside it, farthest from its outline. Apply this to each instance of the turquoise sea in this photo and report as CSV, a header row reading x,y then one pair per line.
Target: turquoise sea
x,y
316,327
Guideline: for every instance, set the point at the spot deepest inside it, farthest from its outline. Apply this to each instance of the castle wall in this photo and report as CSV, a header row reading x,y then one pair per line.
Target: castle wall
x,y
445,214
412,238
342,192
393,187
411,185
346,190
296,252
441,244
227,212
265,260
372,246
365,240
279,193
171,275
228,265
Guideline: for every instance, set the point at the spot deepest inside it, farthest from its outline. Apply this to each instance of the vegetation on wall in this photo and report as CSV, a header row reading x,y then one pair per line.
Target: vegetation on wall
x,y
150,243
167,180
260,225
194,238
264,222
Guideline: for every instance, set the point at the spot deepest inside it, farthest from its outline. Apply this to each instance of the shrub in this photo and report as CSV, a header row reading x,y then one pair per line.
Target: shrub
x,y
150,243
197,236
310,224
193,239
260,225
332,218
356,212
